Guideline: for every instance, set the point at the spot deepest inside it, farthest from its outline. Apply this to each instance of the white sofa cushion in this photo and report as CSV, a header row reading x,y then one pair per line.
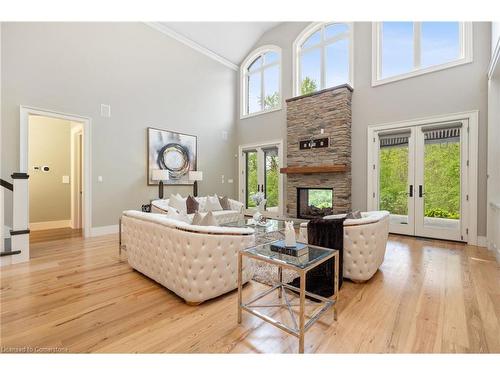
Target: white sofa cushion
x,y
213,204
177,202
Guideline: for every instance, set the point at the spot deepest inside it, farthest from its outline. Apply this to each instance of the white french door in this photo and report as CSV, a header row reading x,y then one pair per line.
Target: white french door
x,y
259,171
420,177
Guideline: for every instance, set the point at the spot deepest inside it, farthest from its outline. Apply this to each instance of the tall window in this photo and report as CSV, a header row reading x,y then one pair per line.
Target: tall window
x,y
323,57
261,81
406,49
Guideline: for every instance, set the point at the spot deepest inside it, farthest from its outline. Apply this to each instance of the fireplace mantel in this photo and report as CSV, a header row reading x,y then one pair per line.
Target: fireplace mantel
x,y
333,168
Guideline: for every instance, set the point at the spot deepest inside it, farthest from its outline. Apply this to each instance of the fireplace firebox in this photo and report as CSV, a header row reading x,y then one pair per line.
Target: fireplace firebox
x,y
314,202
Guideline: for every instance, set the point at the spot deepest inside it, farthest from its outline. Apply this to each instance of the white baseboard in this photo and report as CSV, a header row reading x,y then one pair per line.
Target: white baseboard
x,y
482,241
42,225
101,231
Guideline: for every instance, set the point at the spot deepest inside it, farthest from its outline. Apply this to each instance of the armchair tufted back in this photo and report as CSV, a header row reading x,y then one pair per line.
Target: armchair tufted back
x,y
364,248
196,263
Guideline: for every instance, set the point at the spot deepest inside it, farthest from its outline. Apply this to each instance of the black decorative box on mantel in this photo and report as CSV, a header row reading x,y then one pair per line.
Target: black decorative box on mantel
x,y
296,251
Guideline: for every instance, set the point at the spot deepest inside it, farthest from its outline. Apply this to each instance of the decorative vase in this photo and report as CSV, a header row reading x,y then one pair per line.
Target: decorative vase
x,y
290,240
261,207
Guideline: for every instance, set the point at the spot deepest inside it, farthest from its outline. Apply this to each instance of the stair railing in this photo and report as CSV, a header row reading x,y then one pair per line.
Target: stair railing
x,y
18,249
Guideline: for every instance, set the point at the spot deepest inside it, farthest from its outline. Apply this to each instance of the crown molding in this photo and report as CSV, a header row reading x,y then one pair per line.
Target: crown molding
x,y
190,43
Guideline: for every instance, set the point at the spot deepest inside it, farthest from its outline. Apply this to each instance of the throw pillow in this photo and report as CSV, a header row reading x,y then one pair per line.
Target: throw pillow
x,y
192,205
224,202
175,214
213,204
209,220
197,218
177,202
354,215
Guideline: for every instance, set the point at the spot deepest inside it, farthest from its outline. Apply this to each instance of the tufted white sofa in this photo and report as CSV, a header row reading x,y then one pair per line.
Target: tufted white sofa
x,y
365,241
222,217
195,262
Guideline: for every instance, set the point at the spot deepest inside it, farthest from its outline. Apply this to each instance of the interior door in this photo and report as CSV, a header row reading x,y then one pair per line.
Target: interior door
x,y
440,158
260,172
396,190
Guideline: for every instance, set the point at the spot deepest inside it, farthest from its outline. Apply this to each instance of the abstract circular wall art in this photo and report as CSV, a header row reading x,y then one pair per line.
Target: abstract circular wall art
x,y
175,152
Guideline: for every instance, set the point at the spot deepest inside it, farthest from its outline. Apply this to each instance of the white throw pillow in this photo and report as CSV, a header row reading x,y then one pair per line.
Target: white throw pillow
x,y
197,218
202,202
177,202
208,220
213,204
175,214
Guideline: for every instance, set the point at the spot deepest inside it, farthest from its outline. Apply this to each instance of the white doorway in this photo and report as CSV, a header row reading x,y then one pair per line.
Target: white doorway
x,y
422,172
259,171
76,177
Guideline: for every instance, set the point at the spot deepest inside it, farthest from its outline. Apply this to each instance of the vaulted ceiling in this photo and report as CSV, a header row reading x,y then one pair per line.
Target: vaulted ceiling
x,y
230,40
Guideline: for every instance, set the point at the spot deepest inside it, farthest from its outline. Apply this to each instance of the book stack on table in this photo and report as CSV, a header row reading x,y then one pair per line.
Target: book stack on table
x,y
298,250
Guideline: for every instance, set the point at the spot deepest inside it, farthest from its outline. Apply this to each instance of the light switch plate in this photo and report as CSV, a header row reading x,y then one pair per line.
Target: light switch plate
x,y
65,179
105,110
99,178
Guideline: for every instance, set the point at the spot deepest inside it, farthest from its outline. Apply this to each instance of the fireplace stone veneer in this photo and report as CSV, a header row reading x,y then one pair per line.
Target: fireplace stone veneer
x,y
329,110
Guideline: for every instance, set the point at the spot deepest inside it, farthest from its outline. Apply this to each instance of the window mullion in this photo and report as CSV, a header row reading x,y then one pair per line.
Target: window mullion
x,y
262,90
323,60
417,50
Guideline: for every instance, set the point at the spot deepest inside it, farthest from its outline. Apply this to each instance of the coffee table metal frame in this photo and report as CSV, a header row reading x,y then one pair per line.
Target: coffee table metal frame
x,y
299,329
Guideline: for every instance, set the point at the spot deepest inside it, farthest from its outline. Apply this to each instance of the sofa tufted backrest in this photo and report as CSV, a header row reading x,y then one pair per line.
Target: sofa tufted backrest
x,y
162,220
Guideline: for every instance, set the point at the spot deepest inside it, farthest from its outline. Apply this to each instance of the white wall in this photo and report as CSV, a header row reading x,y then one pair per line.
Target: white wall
x,y
493,142
456,89
148,78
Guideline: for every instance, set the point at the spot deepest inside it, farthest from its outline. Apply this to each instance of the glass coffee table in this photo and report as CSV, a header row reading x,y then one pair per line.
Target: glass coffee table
x,y
301,265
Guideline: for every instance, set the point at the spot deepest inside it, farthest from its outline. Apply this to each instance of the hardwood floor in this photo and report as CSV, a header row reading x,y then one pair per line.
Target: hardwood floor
x,y
76,295
54,234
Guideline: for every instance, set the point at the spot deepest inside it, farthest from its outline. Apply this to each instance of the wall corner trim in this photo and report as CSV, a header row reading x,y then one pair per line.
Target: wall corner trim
x,y
481,241
495,58
190,43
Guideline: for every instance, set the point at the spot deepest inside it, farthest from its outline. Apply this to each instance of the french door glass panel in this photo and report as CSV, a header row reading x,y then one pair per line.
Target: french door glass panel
x,y
440,192
395,180
252,180
271,178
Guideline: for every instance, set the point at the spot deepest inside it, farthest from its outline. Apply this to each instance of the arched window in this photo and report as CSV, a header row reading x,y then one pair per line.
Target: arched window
x,y
322,57
261,81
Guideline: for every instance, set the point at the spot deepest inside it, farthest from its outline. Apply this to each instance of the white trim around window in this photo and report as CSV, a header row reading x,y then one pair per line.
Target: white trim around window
x,y
304,35
465,58
259,52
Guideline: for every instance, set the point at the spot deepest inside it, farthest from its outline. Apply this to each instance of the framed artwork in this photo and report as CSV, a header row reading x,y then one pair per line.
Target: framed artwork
x,y
175,152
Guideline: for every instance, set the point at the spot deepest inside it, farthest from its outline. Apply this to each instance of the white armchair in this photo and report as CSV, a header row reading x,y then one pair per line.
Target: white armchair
x,y
365,241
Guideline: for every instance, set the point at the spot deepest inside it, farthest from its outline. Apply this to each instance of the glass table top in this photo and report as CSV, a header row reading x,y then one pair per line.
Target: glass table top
x,y
272,225
314,255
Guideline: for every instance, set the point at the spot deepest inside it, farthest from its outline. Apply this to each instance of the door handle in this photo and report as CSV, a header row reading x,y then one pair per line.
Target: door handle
x,y
420,192
411,191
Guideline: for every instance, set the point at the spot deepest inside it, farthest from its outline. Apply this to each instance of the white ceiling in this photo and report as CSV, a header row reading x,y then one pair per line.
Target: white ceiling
x,y
231,40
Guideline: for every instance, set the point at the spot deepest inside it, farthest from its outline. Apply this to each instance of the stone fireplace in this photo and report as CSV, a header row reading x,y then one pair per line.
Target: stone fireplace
x,y
319,152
